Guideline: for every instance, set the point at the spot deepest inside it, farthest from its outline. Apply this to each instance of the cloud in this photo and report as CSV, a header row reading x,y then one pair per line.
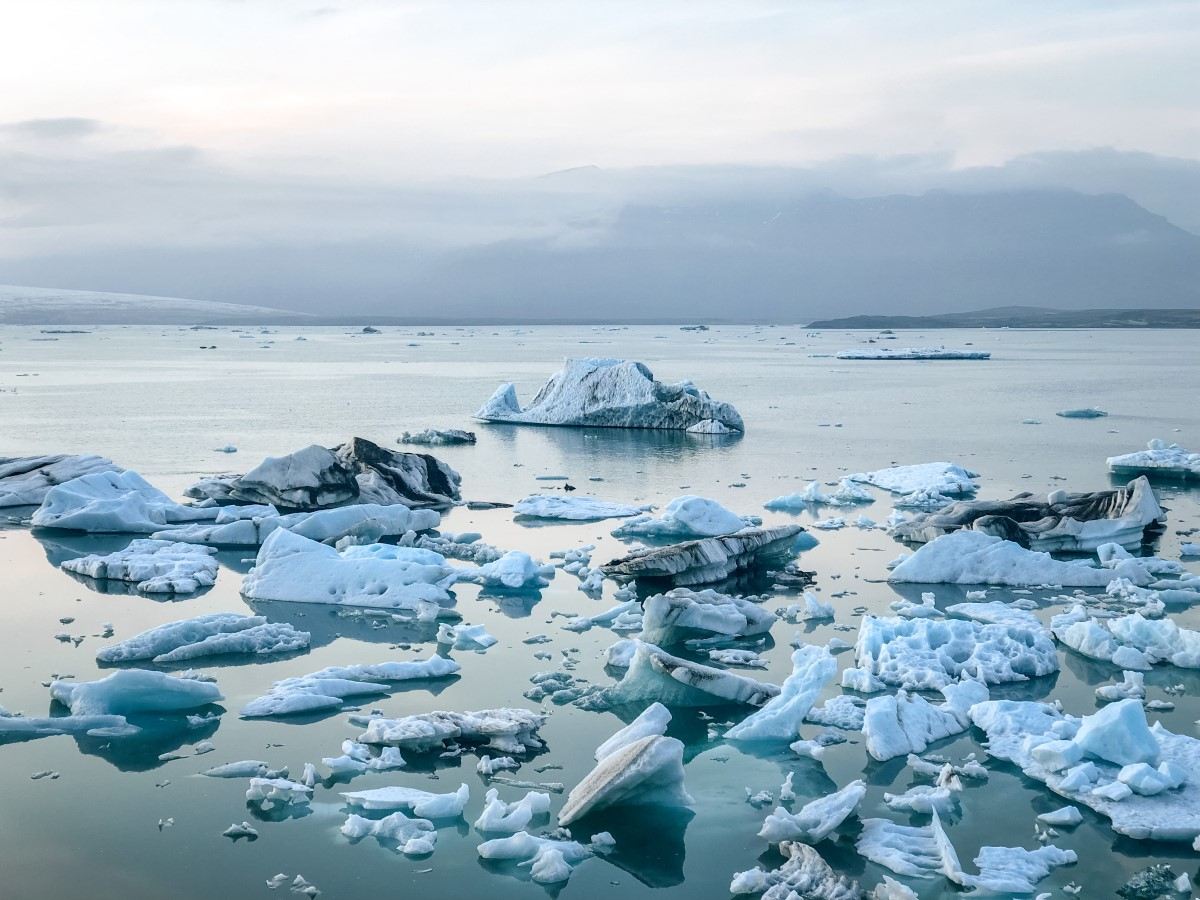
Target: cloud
x,y
63,129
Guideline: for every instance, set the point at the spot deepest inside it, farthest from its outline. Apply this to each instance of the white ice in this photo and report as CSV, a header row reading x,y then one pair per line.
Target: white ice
x,y
817,819
684,517
213,634
156,567
25,480
574,508
780,718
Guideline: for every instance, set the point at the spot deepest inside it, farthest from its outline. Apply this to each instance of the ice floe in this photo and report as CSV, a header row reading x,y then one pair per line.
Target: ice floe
x,y
904,723
505,730
115,502
804,875
780,717
412,837
499,817
848,493
707,560
817,819
573,509
433,437
362,523
688,516
613,393
1159,458
133,691
422,803
1132,642
25,480
655,675
550,860
913,353
213,634
155,567
681,614
514,571
924,484
1082,412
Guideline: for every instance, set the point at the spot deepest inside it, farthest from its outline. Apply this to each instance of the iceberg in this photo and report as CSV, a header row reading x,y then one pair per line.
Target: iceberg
x,y
613,393
412,837
550,861
1159,458
499,817
1086,412
1132,641
421,803
573,509
362,523
133,691
1060,522
682,613
707,560
655,675
636,766
121,502
330,687
780,717
904,723
817,819
512,731
25,480
972,557
208,635
433,437
293,568
935,478
155,567
913,353
929,654
357,758
514,571
848,493
277,793
804,875
688,516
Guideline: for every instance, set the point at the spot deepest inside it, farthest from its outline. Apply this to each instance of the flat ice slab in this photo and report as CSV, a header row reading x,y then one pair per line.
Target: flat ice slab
x,y
120,502
1159,458
573,509
913,353
214,634
156,567
613,393
364,522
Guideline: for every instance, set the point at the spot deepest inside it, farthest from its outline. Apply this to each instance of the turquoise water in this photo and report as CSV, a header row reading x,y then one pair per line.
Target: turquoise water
x,y
152,400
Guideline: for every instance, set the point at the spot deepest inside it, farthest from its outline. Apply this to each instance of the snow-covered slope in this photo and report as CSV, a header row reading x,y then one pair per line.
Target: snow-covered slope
x,y
51,306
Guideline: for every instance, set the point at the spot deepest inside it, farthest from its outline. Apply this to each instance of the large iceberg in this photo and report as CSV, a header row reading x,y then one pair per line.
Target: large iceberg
x,y
25,480
972,557
208,635
362,522
613,393
706,560
1061,521
155,567
357,471
119,502
1159,458
688,516
293,568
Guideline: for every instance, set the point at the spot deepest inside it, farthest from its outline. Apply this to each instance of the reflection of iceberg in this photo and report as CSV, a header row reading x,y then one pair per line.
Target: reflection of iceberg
x,y
327,623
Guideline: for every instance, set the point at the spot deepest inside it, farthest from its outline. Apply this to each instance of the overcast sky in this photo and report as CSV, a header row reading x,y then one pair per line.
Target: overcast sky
x,y
133,126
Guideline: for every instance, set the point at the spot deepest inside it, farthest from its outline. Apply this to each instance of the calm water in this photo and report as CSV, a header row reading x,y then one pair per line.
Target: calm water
x,y
152,400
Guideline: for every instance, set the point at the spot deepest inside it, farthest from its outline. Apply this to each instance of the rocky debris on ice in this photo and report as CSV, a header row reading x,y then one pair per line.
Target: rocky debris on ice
x,y
412,837
433,437
903,723
638,766
550,860
422,803
25,480
682,614
707,560
655,675
1095,761
1058,522
134,691
1084,412
574,509
362,523
848,493
383,576
804,875
329,688
780,717
1159,458
499,817
213,634
317,477
817,819
913,353
278,793
512,731
685,517
972,557
1131,642
514,571
155,567
613,393
929,654
108,501
922,485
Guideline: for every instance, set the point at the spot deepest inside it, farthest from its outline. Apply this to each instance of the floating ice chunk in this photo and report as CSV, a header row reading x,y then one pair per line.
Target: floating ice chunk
x,y
709,559
209,635
848,493
509,818
913,353
294,568
612,393
972,557
362,522
861,680
433,437
1159,458
734,657
1132,641
574,509
465,637
244,830
505,730
1131,686
1087,412
904,723
923,798
994,612
1015,870
422,803
514,571
550,860
652,721
620,654
278,792
928,654
29,727
780,718
487,766
940,478
682,613
890,889
688,516
1118,734
804,875
655,675
919,852
157,567
25,480
413,837
622,611
645,771
843,712
329,688
245,768
133,691
1063,817
113,501
357,758
817,819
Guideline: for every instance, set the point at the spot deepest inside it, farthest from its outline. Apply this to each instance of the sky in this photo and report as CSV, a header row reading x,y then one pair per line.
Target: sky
x,y
138,124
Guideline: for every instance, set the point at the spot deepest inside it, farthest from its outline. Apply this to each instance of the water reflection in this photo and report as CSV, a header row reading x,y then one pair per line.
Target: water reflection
x,y
159,735
328,622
